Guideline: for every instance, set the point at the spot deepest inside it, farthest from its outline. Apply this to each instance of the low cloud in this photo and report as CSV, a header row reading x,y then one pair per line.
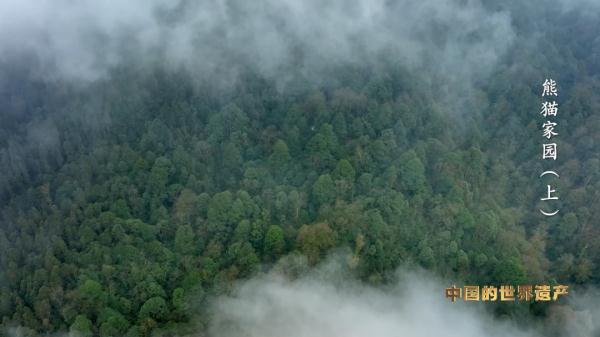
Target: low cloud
x,y
327,305
83,39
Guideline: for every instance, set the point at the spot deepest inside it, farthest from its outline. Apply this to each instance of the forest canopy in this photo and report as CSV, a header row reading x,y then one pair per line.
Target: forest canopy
x,y
158,155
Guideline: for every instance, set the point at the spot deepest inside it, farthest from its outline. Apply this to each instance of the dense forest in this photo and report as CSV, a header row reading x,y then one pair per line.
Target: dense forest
x,y
130,200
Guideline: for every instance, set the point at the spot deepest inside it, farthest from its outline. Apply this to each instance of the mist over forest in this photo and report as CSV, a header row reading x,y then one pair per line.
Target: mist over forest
x,y
231,168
